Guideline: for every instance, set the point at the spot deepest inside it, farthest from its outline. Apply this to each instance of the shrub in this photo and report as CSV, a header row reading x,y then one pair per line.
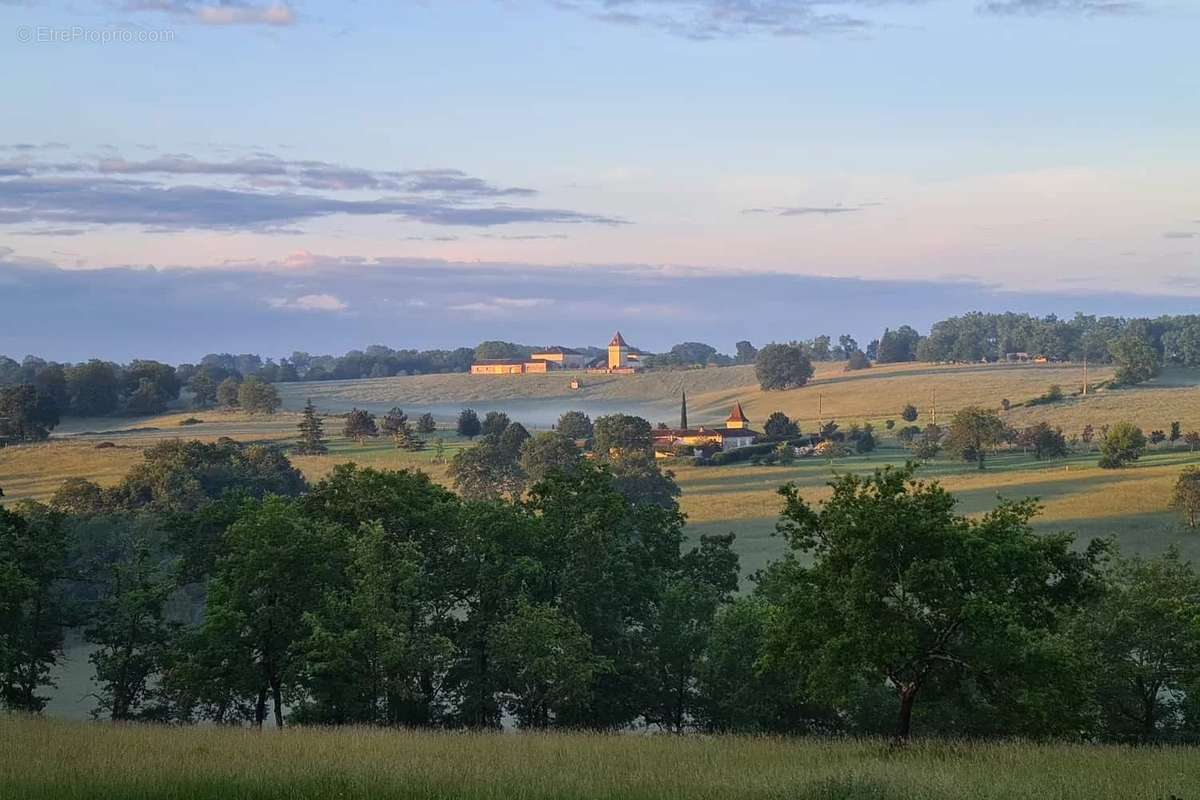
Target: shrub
x,y
1053,395
740,454
778,426
858,360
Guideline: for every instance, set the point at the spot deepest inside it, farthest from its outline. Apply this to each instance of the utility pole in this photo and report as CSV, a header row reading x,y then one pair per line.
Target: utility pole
x,y
933,404
1085,373
820,410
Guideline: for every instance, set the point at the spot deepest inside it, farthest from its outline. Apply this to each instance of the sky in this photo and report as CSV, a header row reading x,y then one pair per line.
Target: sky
x,y
183,176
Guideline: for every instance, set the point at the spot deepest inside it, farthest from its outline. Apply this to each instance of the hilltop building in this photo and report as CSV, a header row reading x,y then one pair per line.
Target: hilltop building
x,y
561,358
622,359
735,433
547,360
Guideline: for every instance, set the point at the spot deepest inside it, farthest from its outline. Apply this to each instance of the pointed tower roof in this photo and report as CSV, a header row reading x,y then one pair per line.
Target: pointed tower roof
x,y
737,415
617,341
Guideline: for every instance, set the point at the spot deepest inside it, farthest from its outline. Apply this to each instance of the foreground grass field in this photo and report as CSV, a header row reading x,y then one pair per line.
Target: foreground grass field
x,y
47,759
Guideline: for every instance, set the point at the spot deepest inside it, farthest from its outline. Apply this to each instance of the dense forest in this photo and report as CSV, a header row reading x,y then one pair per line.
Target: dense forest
x,y
214,584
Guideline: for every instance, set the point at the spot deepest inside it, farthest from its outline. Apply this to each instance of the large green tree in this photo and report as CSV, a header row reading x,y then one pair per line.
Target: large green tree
x,y
619,435
34,607
494,423
277,564
420,520
575,424
1185,498
1122,444
94,388
1144,637
679,629
782,366
368,648
128,629
973,432
360,425
256,396
548,451
488,470
26,414
1135,358
607,561
547,664
468,424
903,592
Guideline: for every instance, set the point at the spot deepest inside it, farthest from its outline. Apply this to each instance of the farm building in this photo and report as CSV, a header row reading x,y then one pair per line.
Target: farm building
x,y
547,360
735,433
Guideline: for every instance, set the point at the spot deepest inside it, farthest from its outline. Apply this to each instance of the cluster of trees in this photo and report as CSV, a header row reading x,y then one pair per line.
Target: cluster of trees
x,y
975,432
361,425
507,460
1136,346
214,584
376,361
790,366
94,388
369,598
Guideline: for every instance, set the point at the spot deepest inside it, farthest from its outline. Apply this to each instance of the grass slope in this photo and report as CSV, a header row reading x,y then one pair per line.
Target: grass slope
x,y
44,759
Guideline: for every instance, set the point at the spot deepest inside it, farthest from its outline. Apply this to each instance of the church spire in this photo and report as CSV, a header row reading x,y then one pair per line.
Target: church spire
x,y
683,410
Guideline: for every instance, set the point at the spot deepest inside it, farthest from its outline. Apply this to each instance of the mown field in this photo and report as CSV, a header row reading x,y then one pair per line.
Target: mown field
x,y
71,761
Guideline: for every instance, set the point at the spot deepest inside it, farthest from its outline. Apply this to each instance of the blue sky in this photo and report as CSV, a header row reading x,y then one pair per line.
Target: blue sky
x,y
1030,148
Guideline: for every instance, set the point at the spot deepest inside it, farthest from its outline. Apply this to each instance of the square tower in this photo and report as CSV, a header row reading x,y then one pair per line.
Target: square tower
x,y
618,353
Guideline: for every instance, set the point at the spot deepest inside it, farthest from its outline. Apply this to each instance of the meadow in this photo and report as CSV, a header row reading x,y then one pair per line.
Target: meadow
x,y
68,761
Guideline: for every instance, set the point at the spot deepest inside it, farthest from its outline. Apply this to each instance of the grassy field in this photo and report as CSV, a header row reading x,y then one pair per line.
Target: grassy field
x,y
71,761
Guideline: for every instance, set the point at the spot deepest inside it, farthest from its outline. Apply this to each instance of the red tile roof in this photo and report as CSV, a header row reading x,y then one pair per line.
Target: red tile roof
x,y
736,415
617,341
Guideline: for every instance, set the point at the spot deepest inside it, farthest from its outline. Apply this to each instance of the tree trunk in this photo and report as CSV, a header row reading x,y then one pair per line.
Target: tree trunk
x,y
1149,714
908,696
277,701
260,707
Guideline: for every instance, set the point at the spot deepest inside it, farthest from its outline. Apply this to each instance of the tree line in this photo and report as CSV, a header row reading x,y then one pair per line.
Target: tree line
x,y
215,584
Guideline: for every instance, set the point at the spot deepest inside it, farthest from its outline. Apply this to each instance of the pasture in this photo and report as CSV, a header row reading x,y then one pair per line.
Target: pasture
x,y
61,760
